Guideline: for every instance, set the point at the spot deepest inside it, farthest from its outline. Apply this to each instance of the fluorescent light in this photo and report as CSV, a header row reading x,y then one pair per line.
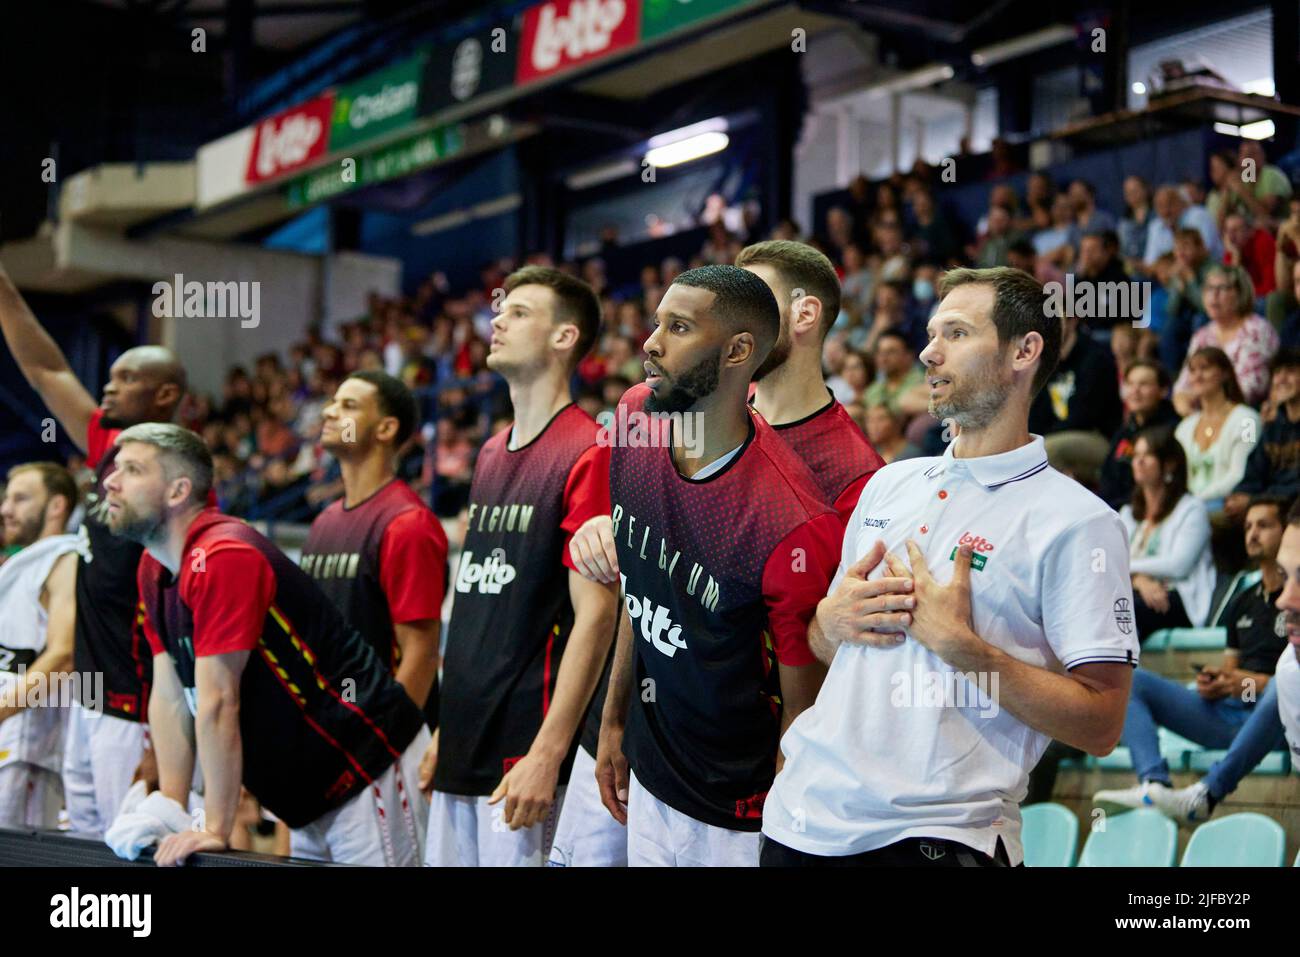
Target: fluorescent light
x,y
717,124
1139,88
926,76
1264,86
684,151
1259,130
1022,45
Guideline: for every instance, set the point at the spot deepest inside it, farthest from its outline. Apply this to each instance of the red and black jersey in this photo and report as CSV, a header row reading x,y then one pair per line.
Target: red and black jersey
x,y
109,640
511,615
722,577
836,451
319,714
383,562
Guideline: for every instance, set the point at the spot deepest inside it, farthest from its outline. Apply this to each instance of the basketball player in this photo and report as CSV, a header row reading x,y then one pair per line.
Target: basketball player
x,y
38,606
379,552
107,741
724,550
528,635
791,394
919,747
257,676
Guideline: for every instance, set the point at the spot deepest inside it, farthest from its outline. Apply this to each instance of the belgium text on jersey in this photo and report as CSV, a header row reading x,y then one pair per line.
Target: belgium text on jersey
x,y
134,911
709,595
56,689
633,429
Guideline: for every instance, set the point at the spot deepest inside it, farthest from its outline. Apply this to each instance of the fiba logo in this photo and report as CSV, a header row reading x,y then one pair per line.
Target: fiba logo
x,y
490,575
656,627
466,68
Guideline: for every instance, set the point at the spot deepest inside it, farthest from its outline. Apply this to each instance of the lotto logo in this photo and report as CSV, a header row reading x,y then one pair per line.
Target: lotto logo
x,y
656,626
490,575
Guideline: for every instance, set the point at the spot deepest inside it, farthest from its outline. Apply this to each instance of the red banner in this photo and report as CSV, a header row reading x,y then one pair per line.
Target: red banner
x,y
561,34
291,140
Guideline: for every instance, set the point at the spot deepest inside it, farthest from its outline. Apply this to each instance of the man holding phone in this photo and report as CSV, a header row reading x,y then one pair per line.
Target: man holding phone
x,y
1233,706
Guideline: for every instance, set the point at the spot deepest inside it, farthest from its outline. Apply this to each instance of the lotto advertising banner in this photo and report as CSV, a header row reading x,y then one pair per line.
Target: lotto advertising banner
x,y
290,140
563,34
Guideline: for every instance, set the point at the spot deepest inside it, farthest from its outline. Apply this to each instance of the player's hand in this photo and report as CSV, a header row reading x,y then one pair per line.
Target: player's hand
x,y
865,612
942,617
611,771
593,552
529,790
175,849
427,764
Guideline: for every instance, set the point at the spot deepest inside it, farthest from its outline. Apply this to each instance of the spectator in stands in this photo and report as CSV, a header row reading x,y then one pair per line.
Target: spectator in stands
x,y
1003,162
1219,435
839,233
1137,220
888,208
925,280
1252,249
1146,403
1273,468
900,381
858,284
1087,216
1173,212
891,312
935,238
1169,537
1222,198
885,430
1057,243
1099,263
1040,193
1020,255
1232,706
1284,262
1079,409
993,246
1266,193
1003,195
845,367
1247,338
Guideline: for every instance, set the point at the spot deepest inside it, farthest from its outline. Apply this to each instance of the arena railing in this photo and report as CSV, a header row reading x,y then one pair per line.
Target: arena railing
x,y
34,848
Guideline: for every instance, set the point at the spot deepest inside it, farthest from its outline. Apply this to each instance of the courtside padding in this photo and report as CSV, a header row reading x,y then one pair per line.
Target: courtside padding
x,y
57,849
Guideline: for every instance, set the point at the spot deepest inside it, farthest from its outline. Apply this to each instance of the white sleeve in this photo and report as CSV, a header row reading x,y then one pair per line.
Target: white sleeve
x,y
1182,543
1239,450
1086,595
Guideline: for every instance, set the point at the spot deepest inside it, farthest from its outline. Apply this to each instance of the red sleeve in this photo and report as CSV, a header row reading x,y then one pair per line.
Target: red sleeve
x,y
145,578
229,594
848,499
796,577
413,566
586,494
98,439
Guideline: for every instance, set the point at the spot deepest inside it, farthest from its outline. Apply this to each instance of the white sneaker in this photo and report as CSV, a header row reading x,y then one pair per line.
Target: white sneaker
x,y
1186,806
1150,794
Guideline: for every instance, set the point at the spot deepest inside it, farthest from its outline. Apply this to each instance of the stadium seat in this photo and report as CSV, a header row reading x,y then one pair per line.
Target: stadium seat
x,y
1118,760
1157,641
1275,762
1197,639
1140,838
1176,750
1050,835
1238,840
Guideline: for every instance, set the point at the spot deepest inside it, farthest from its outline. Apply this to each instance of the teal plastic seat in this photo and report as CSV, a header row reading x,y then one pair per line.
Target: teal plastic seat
x,y
1118,760
1275,762
1238,840
1157,641
1140,838
1050,835
1197,639
1176,750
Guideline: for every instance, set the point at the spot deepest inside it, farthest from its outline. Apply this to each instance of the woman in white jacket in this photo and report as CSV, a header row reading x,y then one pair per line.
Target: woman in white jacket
x,y
1169,539
1220,435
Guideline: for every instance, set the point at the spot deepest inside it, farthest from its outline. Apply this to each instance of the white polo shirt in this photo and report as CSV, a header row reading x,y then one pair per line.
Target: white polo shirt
x,y
1287,677
899,745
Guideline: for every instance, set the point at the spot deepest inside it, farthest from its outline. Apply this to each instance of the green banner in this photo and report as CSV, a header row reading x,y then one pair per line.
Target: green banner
x,y
392,161
664,16
376,104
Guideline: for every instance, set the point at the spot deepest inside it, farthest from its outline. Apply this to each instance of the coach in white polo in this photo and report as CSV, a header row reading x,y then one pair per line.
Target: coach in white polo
x,y
942,697
1287,675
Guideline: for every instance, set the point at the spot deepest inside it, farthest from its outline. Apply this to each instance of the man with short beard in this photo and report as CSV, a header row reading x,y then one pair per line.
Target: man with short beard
x,y
38,606
942,697
790,393
259,681
723,550
106,740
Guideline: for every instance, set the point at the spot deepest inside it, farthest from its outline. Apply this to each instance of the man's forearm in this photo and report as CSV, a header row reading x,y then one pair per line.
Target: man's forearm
x,y
418,669
1057,705
584,658
222,757
619,694
171,729
822,647
32,347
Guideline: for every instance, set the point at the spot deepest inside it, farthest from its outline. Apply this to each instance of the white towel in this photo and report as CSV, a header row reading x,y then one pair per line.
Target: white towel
x,y
144,821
